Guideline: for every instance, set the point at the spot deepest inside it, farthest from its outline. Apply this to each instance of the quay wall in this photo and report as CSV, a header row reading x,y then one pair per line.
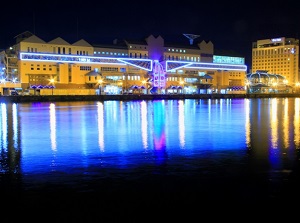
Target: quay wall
x,y
53,98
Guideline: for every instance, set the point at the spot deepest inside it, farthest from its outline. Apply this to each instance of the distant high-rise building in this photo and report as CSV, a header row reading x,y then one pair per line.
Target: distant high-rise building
x,y
277,56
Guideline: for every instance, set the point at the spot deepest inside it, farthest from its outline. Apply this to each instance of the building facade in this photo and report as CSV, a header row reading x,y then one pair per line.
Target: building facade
x,y
277,56
125,67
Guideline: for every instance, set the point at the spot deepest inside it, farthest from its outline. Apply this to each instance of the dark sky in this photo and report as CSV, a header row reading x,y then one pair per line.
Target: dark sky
x,y
232,27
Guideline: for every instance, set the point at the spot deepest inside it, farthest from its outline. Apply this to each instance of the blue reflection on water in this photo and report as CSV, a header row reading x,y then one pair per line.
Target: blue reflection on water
x,y
54,135
160,136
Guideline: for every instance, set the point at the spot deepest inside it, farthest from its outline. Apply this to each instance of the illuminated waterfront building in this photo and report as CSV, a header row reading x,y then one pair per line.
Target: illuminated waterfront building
x,y
277,56
143,67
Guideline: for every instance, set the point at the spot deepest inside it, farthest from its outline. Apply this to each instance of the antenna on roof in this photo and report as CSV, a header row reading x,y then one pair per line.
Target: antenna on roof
x,y
191,37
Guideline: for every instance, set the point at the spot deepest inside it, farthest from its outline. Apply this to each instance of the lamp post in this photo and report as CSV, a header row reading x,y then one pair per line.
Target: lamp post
x,y
126,83
100,85
120,87
144,83
52,84
286,84
247,87
297,87
275,87
182,86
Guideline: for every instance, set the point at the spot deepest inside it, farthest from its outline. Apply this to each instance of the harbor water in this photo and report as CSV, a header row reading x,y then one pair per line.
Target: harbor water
x,y
82,159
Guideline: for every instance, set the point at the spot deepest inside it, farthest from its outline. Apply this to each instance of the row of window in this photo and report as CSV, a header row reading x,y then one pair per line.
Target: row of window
x,y
274,51
60,50
110,53
169,49
184,58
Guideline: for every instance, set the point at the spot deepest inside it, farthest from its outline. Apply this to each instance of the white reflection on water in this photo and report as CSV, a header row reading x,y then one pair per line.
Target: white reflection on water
x,y
297,122
247,123
100,118
53,126
4,139
15,125
274,123
181,124
84,129
144,124
286,137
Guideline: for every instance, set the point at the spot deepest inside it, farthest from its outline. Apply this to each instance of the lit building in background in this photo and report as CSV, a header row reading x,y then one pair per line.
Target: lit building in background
x,y
124,67
278,56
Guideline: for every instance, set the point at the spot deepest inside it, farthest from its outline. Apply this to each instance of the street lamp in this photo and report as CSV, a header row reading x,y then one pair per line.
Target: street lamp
x,y
182,86
100,85
143,84
247,87
297,87
275,87
52,84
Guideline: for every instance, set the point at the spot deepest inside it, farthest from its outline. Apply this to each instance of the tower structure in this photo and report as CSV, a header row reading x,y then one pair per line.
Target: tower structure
x,y
159,75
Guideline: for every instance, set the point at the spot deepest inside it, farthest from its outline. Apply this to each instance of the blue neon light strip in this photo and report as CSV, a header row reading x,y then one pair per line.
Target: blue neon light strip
x,y
171,65
174,65
144,64
213,66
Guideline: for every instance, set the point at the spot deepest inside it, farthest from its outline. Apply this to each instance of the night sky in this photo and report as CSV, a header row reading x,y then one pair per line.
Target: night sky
x,y
231,27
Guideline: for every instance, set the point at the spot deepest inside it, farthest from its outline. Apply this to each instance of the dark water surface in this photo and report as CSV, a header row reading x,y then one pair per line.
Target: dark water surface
x,y
137,160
